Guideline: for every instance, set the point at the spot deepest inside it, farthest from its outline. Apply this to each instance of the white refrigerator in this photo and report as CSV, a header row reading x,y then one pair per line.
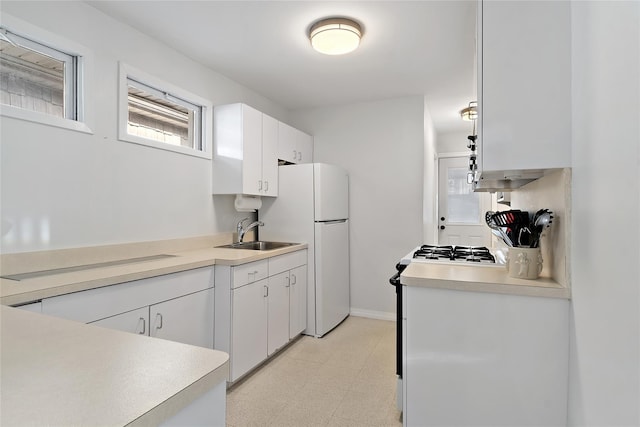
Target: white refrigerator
x,y
313,207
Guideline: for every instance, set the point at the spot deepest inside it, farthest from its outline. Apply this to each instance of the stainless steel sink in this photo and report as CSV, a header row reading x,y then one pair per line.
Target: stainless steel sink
x,y
258,245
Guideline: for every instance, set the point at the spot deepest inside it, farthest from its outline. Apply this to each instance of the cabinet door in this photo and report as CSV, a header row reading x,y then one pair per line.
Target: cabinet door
x,y
297,301
269,156
188,319
251,151
525,86
286,143
134,321
304,148
249,327
278,309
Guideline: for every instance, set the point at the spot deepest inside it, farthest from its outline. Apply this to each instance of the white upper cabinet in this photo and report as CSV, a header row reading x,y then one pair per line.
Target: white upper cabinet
x,y
245,159
294,146
524,86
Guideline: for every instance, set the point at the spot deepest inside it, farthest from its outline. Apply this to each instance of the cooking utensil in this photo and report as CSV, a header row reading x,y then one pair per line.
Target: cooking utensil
x,y
543,219
493,226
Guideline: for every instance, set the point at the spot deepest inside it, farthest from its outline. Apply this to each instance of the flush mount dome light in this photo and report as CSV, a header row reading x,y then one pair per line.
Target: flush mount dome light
x,y
470,113
335,36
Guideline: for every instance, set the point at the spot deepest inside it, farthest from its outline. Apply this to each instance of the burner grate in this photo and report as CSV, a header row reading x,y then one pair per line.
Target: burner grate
x,y
479,254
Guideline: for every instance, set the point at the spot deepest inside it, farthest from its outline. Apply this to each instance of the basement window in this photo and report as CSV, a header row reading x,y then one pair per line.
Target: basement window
x,y
39,82
159,115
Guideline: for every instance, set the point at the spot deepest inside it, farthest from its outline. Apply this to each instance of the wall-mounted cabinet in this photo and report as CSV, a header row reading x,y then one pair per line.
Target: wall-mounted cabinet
x,y
294,146
245,151
524,86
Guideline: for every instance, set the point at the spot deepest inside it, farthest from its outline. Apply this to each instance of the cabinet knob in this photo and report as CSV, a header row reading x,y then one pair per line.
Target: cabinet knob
x,y
441,218
442,227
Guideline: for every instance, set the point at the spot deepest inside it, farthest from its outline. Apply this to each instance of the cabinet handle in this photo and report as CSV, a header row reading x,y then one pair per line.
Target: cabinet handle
x,y
159,315
295,154
266,291
260,185
293,279
266,186
300,155
144,326
288,282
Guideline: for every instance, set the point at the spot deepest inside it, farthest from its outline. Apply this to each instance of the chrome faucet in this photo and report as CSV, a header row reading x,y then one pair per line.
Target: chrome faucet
x,y
242,231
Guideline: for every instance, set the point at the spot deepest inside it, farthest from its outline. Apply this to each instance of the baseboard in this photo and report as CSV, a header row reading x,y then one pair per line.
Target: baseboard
x,y
380,315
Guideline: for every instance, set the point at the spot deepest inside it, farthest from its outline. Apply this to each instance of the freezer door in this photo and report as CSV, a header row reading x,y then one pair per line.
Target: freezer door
x,y
331,187
332,275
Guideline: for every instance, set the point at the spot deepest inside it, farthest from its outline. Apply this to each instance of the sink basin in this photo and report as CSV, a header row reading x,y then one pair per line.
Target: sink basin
x,y
258,246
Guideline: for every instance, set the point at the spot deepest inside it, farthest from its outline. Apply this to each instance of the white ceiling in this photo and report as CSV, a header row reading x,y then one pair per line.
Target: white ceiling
x,y
409,48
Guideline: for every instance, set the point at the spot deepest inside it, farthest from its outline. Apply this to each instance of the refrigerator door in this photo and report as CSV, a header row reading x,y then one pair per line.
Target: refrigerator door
x,y
332,275
331,187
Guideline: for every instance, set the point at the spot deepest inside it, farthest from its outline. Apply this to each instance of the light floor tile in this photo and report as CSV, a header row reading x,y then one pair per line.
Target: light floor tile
x,y
346,378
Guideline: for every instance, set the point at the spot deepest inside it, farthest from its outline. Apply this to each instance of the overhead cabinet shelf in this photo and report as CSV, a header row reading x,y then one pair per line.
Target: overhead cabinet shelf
x,y
524,87
247,147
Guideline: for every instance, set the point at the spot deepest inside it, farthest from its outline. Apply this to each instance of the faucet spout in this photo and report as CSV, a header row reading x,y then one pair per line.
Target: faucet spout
x,y
242,230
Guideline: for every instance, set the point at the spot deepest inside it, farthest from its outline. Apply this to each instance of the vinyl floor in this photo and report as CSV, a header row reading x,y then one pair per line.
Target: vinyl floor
x,y
346,378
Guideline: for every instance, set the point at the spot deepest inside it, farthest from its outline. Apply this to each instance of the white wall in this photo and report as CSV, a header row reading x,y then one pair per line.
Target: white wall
x,y
62,188
454,142
381,145
605,354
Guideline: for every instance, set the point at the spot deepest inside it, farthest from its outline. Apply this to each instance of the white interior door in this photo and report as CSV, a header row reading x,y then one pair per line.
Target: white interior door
x,y
460,210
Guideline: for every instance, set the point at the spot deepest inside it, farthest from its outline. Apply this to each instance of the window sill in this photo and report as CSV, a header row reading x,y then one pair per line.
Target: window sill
x,y
44,119
167,147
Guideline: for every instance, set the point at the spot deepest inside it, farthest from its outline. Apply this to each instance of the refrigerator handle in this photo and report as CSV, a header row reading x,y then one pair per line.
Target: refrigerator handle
x,y
333,221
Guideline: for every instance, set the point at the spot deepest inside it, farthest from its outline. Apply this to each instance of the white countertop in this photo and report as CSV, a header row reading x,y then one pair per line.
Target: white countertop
x,y
18,292
479,279
59,372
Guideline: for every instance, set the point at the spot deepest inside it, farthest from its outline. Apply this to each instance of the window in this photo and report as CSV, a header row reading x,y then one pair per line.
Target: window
x,y
160,115
37,77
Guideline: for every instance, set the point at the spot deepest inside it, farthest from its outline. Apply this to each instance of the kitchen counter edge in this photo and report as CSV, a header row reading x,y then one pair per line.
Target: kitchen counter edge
x,y
479,279
29,290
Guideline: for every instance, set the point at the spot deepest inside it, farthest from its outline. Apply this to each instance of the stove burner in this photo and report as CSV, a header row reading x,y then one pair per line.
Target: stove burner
x,y
455,253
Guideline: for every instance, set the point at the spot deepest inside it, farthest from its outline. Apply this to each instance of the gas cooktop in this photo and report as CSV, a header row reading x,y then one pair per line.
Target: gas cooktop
x,y
448,254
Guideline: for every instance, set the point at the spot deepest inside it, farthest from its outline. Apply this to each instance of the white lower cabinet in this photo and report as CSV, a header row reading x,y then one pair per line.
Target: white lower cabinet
x,y
256,318
479,358
297,301
188,319
134,321
249,337
278,312
176,307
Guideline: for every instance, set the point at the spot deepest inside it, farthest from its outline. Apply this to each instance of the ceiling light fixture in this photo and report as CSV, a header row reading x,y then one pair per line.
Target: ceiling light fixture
x,y
335,36
471,112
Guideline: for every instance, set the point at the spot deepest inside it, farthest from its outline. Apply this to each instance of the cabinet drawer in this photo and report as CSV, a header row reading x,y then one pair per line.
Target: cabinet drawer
x,y
285,262
250,272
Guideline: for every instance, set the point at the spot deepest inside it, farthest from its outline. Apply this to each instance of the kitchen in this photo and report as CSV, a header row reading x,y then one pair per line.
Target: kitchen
x,y
91,190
